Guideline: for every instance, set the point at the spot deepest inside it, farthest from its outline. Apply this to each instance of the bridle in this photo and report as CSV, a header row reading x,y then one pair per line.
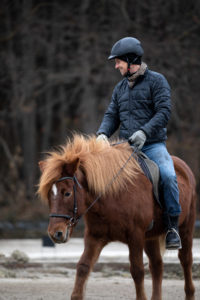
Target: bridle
x,y
72,219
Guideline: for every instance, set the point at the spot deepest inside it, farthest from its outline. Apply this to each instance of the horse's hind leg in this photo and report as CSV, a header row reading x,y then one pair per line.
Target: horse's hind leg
x,y
186,259
85,265
152,249
136,247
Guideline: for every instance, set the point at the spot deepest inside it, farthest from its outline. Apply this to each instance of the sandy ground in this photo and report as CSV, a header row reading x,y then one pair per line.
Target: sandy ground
x,y
113,288
36,281
49,274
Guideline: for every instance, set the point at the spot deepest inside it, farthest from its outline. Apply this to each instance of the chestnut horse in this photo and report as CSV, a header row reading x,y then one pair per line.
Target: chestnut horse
x,y
104,184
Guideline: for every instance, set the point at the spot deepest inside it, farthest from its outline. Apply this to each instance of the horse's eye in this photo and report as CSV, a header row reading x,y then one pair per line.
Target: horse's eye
x,y
67,194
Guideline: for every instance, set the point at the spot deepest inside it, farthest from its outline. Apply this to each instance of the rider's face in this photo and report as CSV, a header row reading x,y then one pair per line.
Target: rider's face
x,y
121,65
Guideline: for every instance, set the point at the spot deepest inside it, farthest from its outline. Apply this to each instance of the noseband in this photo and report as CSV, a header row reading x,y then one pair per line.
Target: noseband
x,y
72,220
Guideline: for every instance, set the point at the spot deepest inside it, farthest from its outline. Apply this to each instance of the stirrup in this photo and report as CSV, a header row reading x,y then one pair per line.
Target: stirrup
x,y
174,246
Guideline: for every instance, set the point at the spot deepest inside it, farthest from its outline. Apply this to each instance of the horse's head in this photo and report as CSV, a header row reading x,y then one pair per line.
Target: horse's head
x,y
64,200
96,165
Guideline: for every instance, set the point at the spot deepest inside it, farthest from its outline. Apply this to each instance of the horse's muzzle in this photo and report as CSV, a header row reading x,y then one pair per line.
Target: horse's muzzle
x,y
60,236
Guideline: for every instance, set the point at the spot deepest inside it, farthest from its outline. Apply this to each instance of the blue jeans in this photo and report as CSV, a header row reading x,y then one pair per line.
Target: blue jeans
x,y
159,154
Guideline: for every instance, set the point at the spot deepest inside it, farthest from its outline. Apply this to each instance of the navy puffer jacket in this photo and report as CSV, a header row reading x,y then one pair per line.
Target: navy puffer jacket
x,y
146,106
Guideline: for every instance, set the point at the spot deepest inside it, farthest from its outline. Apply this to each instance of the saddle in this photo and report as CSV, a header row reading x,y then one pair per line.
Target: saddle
x,y
151,170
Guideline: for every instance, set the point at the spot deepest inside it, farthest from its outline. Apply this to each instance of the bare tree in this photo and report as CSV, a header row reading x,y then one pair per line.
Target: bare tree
x,y
55,77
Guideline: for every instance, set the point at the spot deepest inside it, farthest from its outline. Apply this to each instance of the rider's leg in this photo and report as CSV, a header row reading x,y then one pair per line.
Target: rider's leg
x,y
159,154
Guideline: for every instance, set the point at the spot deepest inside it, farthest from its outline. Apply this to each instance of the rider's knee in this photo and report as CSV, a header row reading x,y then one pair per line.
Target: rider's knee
x,y
169,180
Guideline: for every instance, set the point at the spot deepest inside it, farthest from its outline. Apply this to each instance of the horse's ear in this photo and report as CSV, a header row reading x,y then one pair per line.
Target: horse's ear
x,y
71,168
42,165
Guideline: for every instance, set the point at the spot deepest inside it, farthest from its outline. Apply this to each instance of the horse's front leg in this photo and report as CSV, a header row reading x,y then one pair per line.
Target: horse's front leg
x,y
90,255
136,246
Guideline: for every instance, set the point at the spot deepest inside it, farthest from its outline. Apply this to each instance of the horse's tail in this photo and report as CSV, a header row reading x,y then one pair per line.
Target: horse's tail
x,y
162,244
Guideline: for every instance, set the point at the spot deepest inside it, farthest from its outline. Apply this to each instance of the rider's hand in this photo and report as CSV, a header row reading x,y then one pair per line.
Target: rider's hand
x,y
102,137
138,139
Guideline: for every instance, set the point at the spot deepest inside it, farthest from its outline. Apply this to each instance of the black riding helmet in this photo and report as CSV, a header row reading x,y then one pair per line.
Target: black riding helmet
x,y
126,46
128,49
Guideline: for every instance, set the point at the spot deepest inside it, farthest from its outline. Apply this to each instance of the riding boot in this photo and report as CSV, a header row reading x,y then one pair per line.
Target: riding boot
x,y
172,240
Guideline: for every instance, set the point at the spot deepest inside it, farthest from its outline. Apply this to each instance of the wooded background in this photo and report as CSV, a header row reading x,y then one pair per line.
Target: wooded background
x,y
55,78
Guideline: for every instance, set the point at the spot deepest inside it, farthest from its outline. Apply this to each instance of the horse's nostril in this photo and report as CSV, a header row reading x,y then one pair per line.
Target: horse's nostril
x,y
58,235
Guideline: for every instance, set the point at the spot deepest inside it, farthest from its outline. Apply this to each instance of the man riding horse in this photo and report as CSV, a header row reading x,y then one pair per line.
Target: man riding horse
x,y
141,107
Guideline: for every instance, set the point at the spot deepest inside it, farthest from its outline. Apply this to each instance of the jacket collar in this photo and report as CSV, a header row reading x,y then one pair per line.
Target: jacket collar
x,y
134,77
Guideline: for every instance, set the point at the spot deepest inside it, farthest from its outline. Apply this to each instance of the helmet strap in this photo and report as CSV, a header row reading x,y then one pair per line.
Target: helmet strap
x,y
128,67
128,74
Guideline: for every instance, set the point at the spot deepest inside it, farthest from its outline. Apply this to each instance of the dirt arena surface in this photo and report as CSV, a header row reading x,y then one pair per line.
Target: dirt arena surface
x,y
50,281
113,288
36,273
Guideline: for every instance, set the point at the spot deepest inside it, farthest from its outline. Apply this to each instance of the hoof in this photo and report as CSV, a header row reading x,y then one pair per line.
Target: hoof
x,y
76,297
191,297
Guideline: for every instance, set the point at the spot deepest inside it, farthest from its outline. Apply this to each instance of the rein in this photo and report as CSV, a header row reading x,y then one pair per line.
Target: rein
x,y
73,220
112,180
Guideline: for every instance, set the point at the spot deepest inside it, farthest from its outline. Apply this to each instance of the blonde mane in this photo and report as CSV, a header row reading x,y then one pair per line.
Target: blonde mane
x,y
98,159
